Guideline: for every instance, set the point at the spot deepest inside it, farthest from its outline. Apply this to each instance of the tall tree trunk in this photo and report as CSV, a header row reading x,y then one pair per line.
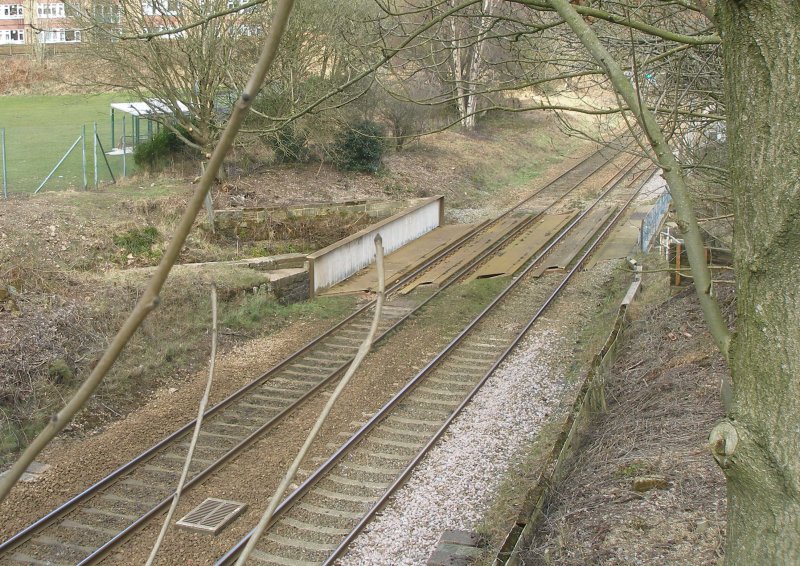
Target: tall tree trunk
x,y
474,69
458,70
759,446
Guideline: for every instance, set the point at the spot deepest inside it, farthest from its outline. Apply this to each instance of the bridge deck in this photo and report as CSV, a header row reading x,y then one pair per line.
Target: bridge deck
x,y
524,246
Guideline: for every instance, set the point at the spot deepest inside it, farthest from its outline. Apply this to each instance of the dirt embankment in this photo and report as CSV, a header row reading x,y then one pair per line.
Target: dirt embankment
x,y
66,258
644,488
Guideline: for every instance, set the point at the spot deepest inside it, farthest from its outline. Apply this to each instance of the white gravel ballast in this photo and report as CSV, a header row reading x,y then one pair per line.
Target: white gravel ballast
x,y
457,481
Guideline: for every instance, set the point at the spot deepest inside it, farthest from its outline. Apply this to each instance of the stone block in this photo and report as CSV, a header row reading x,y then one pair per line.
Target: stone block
x,y
646,483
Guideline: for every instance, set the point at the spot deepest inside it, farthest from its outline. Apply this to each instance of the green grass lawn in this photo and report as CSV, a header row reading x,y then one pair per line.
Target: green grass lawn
x,y
39,131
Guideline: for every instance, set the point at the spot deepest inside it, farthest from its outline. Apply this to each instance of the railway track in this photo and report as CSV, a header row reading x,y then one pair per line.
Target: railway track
x,y
86,527
316,523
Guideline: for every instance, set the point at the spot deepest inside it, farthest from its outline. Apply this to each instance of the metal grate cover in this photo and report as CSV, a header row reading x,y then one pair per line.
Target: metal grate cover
x,y
211,515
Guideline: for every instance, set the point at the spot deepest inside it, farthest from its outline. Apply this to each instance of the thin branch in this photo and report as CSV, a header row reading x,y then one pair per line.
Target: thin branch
x,y
201,409
292,471
712,218
150,298
622,20
672,172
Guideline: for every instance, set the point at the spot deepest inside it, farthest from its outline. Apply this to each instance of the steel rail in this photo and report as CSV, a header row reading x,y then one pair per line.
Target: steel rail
x,y
400,283
108,480
100,552
300,491
525,224
401,479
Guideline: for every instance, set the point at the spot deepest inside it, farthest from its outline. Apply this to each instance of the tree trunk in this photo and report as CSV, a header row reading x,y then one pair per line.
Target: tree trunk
x,y
458,71
759,446
474,69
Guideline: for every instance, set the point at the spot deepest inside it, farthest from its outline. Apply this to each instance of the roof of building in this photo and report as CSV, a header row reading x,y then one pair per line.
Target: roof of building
x,y
150,107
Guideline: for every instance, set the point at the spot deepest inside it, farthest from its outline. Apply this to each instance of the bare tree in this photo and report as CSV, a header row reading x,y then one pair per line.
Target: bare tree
x,y
191,72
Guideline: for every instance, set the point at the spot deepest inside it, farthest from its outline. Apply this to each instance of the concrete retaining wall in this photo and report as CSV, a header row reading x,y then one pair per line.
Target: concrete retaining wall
x,y
290,288
651,223
338,261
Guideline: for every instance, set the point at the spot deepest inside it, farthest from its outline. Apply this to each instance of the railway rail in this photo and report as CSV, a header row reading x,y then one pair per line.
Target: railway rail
x,y
316,523
89,525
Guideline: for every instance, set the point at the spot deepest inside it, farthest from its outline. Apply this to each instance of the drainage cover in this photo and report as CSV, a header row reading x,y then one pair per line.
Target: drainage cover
x,y
211,515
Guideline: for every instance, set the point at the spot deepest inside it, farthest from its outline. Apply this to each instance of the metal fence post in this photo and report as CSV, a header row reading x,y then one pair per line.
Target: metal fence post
x,y
124,151
39,188
3,152
94,139
83,156
103,153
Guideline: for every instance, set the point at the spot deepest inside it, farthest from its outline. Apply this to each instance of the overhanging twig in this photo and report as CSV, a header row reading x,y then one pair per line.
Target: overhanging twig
x,y
150,298
292,471
669,164
201,409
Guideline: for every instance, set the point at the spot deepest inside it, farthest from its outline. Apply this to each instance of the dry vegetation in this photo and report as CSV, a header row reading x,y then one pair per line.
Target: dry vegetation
x,y
663,397
67,259
53,75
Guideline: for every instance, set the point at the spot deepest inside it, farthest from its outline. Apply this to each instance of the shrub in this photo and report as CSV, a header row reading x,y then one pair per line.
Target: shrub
x,y
60,372
290,145
138,240
153,153
360,147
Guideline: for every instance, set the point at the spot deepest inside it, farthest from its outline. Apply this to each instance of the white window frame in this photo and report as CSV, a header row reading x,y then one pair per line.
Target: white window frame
x,y
50,10
12,11
107,13
160,7
10,36
59,35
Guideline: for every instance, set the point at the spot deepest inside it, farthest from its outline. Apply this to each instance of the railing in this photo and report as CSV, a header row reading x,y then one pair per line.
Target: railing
x,y
652,221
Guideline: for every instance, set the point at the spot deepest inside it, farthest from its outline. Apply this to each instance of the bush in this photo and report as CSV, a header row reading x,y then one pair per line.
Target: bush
x,y
137,240
290,145
60,372
153,153
360,147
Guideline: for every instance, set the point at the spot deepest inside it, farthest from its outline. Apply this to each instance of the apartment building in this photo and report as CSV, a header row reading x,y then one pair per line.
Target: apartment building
x,y
28,22
14,22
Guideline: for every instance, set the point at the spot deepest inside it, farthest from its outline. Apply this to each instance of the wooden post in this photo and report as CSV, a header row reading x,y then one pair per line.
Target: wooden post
x,y
678,250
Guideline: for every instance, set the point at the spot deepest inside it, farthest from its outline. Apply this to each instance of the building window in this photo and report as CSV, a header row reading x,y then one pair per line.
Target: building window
x,y
60,36
159,7
106,13
11,11
12,36
50,10
71,10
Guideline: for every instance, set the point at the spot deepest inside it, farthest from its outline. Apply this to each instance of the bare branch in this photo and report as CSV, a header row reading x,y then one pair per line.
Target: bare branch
x,y
363,350
150,298
672,172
